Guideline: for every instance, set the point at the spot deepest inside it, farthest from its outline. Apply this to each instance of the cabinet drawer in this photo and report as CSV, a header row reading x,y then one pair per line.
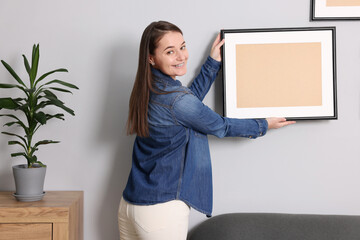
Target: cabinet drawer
x,y
26,231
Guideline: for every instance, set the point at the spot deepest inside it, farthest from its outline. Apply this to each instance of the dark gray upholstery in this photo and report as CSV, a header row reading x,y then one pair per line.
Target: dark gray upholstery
x,y
272,226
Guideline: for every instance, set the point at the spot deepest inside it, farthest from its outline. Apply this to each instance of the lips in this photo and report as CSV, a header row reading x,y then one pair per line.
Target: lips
x,y
180,65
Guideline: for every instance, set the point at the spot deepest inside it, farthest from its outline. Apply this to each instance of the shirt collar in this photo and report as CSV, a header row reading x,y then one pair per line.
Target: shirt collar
x,y
163,79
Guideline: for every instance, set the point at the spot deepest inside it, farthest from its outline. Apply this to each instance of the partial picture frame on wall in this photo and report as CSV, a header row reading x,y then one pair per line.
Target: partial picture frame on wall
x,y
335,10
280,72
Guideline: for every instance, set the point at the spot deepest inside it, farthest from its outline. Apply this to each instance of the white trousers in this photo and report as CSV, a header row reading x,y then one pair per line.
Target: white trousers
x,y
164,221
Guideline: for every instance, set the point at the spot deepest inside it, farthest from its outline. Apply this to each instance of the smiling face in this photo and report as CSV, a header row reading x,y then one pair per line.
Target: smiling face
x,y
170,55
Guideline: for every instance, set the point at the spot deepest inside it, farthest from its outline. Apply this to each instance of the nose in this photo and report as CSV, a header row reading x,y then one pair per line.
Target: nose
x,y
180,56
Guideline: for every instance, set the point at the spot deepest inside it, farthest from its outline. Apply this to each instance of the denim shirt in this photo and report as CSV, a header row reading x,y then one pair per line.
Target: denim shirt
x,y
174,161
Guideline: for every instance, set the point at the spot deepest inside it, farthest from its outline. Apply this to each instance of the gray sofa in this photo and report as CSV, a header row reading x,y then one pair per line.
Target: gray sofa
x,y
274,226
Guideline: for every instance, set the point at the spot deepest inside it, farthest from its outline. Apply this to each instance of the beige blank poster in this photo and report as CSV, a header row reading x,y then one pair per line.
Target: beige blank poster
x,y
278,75
339,3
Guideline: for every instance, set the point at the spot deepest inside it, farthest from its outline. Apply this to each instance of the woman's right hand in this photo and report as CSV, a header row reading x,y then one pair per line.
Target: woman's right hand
x,y
274,122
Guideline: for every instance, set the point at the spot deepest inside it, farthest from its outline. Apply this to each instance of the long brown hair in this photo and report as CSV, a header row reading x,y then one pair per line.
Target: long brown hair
x,y
139,99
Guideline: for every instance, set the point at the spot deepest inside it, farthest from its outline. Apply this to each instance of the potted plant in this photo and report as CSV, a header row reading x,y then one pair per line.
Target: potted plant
x,y
32,113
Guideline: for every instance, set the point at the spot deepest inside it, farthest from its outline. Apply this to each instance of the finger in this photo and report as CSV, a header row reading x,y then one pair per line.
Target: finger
x,y
218,46
288,123
217,40
220,43
282,119
218,37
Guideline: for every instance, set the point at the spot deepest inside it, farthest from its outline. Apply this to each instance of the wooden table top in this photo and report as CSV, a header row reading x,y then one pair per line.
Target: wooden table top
x,y
50,199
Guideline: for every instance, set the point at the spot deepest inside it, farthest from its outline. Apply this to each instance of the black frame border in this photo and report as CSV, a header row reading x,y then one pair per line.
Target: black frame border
x,y
223,32
313,18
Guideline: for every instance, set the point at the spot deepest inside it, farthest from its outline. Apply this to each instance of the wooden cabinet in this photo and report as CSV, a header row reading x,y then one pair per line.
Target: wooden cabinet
x,y
58,216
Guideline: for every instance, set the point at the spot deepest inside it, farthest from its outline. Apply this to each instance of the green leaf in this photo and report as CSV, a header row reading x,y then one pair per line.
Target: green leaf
x,y
41,105
9,124
33,53
50,94
31,161
8,103
34,64
51,72
33,149
44,142
24,108
15,135
13,73
53,101
30,90
4,85
62,83
18,100
40,163
17,143
18,122
62,106
56,103
9,115
32,125
61,90
27,66
18,154
40,117
59,116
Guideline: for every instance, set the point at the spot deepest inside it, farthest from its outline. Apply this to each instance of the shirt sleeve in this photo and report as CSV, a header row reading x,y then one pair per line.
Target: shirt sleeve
x,y
190,112
202,83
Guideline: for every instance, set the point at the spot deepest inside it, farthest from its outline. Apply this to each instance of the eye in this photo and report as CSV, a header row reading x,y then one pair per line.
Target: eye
x,y
170,52
183,47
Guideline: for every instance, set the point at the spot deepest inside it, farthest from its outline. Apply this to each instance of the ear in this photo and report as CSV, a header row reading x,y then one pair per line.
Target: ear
x,y
151,60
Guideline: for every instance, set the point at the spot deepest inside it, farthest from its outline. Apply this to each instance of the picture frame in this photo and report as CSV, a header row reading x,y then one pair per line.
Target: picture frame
x,y
280,72
335,10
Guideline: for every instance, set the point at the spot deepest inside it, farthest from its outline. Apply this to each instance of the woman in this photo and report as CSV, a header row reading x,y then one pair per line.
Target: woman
x,y
171,168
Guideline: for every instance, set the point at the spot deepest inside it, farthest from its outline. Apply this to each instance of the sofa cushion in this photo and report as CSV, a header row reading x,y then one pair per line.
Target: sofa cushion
x,y
275,226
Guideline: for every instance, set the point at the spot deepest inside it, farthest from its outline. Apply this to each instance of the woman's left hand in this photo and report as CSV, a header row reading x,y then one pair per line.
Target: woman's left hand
x,y
215,49
274,122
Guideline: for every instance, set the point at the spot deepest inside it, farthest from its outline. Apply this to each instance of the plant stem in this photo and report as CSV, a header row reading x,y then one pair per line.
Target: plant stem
x,y
31,124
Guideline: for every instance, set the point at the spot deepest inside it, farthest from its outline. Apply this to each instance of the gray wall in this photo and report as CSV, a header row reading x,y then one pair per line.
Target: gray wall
x,y
311,167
